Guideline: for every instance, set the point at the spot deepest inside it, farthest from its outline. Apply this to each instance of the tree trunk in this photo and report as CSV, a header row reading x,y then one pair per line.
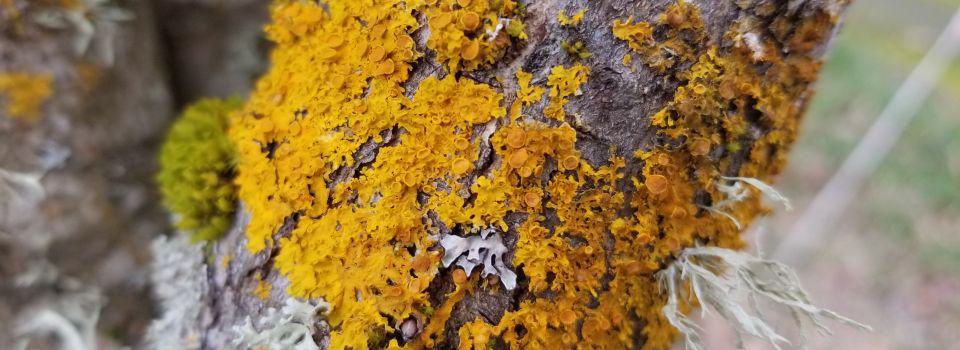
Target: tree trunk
x,y
699,100
653,103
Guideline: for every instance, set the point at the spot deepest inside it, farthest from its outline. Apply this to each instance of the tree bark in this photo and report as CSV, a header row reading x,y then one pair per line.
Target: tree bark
x,y
614,110
176,51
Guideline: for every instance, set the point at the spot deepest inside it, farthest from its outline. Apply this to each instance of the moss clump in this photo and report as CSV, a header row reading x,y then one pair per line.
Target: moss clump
x,y
196,169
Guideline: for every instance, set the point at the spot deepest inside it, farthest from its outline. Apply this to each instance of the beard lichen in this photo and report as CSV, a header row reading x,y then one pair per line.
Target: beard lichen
x,y
376,175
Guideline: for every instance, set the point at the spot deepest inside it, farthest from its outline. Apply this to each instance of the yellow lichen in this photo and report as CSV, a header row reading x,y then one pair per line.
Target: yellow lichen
x,y
682,26
23,94
563,83
571,20
470,34
263,288
590,237
527,94
225,261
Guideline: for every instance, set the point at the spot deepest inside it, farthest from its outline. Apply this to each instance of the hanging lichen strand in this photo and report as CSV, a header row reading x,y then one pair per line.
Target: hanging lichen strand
x,y
374,175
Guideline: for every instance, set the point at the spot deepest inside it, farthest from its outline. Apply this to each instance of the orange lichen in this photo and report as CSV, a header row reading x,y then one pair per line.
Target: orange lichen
x,y
461,166
699,146
516,138
474,335
473,33
518,158
470,21
657,184
683,29
332,145
24,93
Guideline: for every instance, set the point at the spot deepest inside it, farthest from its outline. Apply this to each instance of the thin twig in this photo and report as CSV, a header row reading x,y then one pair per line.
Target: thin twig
x,y
820,216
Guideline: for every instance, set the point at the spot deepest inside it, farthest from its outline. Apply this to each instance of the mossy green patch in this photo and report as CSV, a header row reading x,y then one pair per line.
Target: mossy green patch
x,y
196,169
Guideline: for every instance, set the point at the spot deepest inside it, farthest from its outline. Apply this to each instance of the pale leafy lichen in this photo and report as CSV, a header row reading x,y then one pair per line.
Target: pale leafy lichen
x,y
487,250
292,327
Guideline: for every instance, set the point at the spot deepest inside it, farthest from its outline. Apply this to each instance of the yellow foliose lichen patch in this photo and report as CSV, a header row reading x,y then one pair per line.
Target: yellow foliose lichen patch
x,y
564,82
527,94
575,49
371,175
683,29
571,21
23,94
469,34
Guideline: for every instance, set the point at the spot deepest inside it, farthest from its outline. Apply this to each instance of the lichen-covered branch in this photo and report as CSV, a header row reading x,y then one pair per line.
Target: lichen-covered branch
x,y
594,137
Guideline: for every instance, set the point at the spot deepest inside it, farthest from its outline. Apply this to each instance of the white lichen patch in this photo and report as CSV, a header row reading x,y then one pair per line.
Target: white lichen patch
x,y
697,275
486,249
178,275
290,328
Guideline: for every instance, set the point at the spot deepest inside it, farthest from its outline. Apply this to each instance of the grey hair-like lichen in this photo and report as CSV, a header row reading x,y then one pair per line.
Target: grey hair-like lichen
x,y
735,192
701,269
485,249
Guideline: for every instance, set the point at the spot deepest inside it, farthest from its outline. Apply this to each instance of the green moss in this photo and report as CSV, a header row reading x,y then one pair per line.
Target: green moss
x,y
575,49
196,169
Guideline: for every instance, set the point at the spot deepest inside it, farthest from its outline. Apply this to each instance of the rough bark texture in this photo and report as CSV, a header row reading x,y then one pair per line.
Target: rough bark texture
x,y
101,210
615,110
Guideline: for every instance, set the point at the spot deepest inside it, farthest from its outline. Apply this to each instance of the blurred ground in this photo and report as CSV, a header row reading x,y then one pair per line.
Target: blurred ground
x,y
893,261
